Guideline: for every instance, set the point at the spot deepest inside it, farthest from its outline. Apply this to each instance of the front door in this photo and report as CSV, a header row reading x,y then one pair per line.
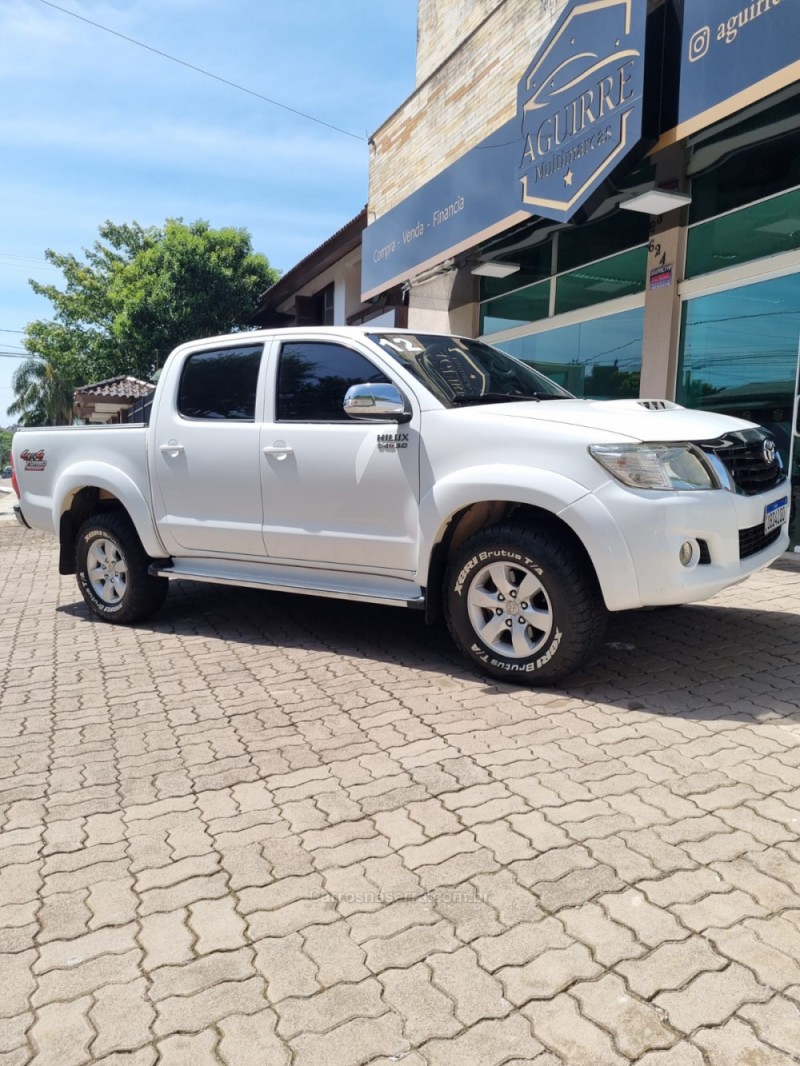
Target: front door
x,y
336,492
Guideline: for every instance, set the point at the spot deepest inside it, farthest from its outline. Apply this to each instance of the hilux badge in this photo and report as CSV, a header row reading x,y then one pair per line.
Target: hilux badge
x,y
391,442
769,451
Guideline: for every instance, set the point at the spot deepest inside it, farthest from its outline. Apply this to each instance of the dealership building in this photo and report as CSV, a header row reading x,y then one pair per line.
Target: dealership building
x,y
607,189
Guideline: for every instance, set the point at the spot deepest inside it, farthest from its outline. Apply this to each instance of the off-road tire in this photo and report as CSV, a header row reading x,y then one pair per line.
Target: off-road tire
x,y
112,570
523,604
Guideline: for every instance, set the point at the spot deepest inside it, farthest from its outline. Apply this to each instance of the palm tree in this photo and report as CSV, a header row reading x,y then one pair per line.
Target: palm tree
x,y
43,392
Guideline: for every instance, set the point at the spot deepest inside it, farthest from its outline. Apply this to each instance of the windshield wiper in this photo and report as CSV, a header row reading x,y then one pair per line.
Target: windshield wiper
x,y
495,397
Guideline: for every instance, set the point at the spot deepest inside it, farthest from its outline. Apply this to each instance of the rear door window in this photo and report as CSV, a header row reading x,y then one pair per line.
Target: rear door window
x,y
221,384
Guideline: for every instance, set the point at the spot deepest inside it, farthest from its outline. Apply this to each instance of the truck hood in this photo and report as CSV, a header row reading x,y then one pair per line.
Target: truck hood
x,y
641,420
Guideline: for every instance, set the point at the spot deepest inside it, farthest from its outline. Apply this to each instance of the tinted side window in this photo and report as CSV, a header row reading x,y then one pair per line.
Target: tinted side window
x,y
221,384
313,377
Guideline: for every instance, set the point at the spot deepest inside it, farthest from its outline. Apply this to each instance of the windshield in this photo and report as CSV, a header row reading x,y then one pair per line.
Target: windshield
x,y
459,371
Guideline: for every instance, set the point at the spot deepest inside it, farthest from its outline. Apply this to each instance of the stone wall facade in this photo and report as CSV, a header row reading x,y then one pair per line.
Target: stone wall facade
x,y
442,25
470,56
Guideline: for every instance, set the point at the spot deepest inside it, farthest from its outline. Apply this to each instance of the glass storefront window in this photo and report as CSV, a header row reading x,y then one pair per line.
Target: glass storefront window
x,y
535,263
516,309
620,275
739,354
600,359
767,228
581,244
753,159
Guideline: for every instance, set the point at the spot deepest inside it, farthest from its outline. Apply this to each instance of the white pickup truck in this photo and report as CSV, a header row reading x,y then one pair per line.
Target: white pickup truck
x,y
410,469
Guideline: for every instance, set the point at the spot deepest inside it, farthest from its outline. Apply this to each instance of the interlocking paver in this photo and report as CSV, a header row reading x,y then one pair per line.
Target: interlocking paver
x,y
476,995
718,908
122,1017
735,1043
189,1050
166,939
650,924
17,982
179,1014
288,970
426,1011
251,1038
711,998
777,1022
561,1027
82,977
216,925
488,1042
546,975
671,966
330,1008
409,946
335,954
394,861
773,967
608,941
358,1041
61,1034
637,1026
201,974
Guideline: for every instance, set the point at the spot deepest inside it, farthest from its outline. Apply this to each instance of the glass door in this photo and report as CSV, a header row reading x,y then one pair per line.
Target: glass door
x,y
794,463
739,356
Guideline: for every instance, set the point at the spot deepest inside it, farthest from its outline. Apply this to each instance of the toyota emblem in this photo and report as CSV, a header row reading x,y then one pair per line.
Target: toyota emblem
x,y
770,451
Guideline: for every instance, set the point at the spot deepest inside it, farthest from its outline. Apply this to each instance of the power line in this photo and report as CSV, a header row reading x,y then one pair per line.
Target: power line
x,y
205,73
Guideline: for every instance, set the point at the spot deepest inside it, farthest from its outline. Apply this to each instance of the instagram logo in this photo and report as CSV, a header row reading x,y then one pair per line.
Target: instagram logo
x,y
699,44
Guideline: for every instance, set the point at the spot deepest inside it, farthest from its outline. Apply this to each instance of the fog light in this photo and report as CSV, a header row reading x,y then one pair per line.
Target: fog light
x,y
686,553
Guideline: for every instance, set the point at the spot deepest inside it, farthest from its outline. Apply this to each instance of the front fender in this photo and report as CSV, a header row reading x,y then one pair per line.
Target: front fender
x,y
479,484
118,484
570,501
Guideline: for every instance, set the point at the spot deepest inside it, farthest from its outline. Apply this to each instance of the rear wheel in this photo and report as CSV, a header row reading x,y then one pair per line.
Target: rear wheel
x,y
523,605
112,570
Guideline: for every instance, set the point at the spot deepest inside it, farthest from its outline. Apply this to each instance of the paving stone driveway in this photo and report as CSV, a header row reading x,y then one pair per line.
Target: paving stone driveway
x,y
264,830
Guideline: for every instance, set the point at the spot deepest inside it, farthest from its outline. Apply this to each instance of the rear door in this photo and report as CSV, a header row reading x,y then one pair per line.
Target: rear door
x,y
205,455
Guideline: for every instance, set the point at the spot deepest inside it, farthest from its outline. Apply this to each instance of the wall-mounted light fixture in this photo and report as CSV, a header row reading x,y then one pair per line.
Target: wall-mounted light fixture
x,y
656,202
495,269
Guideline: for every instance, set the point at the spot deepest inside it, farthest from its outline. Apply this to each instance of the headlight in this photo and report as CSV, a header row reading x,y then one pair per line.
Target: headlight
x,y
656,466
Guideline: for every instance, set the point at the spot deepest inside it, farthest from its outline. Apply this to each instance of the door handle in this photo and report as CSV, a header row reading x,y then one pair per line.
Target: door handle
x,y
279,449
171,448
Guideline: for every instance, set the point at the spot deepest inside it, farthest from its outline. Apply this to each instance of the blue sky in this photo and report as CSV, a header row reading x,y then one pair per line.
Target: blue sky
x,y
94,128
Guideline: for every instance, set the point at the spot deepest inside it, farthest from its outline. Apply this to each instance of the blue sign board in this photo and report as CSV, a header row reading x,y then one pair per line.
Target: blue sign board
x,y
579,112
733,53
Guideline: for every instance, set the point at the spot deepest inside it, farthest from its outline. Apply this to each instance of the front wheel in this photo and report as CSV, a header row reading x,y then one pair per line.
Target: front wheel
x,y
523,605
112,570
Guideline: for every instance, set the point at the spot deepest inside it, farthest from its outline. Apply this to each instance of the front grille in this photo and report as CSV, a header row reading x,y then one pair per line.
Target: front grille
x,y
754,540
742,455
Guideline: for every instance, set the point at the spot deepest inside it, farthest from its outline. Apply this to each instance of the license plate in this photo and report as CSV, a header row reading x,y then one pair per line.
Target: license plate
x,y
775,514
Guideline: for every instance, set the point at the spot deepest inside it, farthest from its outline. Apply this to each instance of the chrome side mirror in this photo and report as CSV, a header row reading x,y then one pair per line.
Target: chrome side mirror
x,y
376,403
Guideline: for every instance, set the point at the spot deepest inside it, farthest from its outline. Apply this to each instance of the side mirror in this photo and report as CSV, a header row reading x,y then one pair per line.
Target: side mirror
x,y
376,403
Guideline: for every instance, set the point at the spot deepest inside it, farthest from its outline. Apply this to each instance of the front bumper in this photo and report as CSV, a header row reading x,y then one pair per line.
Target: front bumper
x,y
654,525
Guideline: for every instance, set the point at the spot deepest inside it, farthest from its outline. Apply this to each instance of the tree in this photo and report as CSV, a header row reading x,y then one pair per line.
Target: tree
x,y
5,447
136,294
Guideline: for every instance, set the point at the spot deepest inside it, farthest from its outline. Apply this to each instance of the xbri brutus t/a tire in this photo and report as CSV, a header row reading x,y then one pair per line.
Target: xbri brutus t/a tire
x,y
112,570
522,605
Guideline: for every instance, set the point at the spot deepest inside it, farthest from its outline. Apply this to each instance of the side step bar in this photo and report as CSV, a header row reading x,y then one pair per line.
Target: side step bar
x,y
390,592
